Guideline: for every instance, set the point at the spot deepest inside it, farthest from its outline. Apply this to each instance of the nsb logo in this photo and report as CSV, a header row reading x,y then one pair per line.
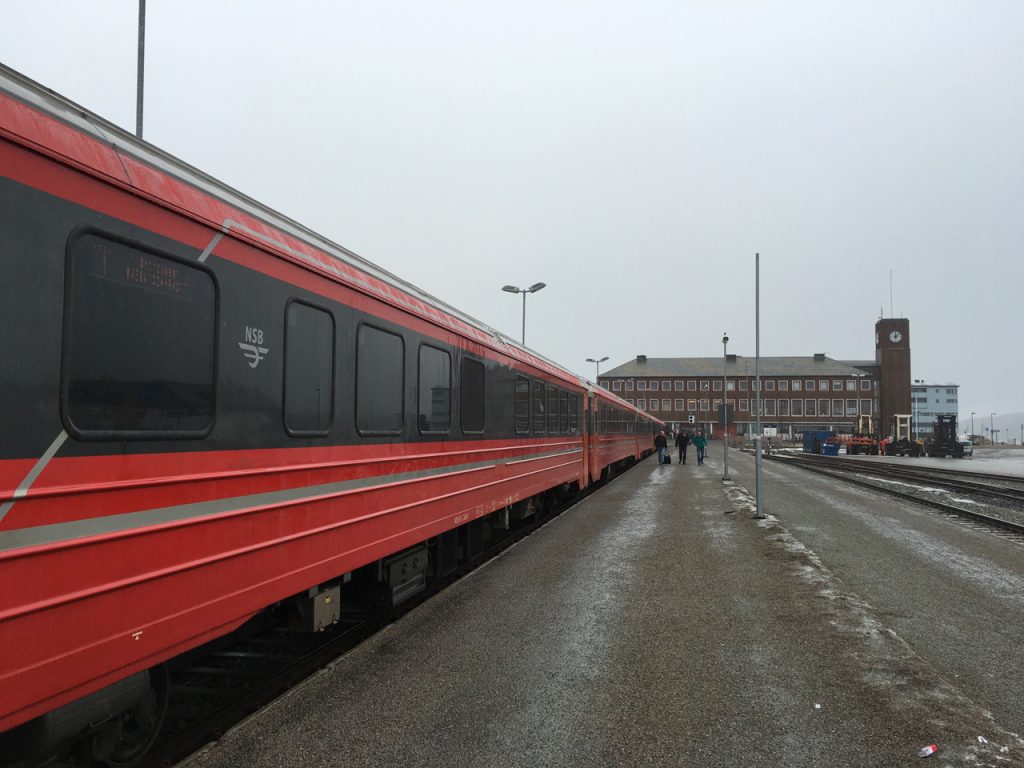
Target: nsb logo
x,y
253,346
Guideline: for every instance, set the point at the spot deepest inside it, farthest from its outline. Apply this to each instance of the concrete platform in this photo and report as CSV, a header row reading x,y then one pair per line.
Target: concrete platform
x,y
656,623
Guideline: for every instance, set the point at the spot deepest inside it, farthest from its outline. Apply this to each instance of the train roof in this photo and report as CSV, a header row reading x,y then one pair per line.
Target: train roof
x,y
344,265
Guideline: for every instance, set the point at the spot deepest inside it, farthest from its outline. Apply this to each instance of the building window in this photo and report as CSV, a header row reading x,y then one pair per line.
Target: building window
x,y
717,404
629,385
797,384
678,385
865,407
704,405
744,404
743,386
823,407
631,401
769,385
837,385
851,385
691,405
769,407
730,386
851,407
809,385
705,386
641,404
652,386
435,387
717,385
784,386
604,385
641,386
691,386
522,405
617,385
784,408
798,407
809,407
471,399
140,343
666,405
680,404
865,385
380,373
308,370
837,409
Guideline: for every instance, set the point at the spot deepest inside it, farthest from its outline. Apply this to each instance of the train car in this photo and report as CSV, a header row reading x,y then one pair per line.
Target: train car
x,y
209,409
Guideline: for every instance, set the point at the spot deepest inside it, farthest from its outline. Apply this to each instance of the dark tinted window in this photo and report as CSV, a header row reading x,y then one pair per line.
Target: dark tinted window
x,y
563,412
139,349
472,400
379,382
308,370
574,418
552,411
522,404
538,407
435,390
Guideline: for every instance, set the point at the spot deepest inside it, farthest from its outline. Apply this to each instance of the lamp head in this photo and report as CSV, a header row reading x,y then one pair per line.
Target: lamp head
x,y
510,289
725,339
536,287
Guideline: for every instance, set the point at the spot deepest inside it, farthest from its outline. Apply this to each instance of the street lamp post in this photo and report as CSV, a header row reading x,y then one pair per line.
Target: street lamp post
x,y
991,427
725,406
972,427
597,364
515,289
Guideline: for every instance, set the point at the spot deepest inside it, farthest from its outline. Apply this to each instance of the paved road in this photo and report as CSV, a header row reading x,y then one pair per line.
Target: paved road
x,y
658,624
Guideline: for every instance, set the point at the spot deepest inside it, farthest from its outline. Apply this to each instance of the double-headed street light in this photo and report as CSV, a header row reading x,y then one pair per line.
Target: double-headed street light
x,y
516,289
992,427
597,364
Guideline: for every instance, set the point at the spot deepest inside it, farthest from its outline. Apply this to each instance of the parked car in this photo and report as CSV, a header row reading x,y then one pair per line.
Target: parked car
x,y
968,447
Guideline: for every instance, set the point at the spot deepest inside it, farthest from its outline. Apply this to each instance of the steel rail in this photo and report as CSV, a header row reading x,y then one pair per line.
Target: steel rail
x,y
996,522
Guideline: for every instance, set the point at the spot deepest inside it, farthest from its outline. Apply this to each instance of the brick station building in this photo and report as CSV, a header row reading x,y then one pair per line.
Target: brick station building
x,y
797,393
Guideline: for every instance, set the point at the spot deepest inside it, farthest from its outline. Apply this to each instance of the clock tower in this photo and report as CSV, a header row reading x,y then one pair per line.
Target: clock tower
x,y
892,355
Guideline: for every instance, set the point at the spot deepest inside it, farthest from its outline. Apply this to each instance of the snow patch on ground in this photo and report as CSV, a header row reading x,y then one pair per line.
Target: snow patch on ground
x,y
887,662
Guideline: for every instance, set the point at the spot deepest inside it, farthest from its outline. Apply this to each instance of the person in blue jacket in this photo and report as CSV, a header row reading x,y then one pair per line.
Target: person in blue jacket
x,y
700,442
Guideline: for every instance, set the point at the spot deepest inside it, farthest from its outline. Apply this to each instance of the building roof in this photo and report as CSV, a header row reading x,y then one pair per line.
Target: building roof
x,y
738,365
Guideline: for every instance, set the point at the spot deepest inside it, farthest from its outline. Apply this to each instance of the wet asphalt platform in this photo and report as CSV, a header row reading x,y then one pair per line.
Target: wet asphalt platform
x,y
655,623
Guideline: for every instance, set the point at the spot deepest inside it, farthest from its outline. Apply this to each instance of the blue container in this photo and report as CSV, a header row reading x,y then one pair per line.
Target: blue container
x,y
830,450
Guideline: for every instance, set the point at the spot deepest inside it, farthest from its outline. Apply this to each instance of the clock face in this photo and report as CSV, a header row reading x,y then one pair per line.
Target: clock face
x,y
895,337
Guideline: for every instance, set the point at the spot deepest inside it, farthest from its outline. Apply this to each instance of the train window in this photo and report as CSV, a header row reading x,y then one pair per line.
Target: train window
x,y
308,370
538,407
139,345
435,390
522,411
472,396
380,374
563,412
552,411
574,415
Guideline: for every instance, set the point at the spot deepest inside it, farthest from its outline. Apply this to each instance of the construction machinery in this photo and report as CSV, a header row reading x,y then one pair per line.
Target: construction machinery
x,y
901,441
944,440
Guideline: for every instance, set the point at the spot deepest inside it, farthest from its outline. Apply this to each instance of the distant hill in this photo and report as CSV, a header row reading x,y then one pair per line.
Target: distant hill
x,y
1008,424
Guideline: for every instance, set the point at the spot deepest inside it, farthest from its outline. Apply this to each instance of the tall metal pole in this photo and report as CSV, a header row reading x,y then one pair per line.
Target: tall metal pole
x,y
524,318
725,406
972,426
992,428
141,68
759,495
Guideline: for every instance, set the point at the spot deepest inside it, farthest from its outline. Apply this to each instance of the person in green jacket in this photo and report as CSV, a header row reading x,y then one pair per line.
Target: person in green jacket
x,y
700,442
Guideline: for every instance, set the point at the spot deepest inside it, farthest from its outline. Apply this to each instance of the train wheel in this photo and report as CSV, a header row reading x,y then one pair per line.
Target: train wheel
x,y
137,729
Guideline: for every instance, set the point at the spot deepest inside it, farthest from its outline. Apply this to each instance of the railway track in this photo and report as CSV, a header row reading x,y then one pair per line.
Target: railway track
x,y
1000,497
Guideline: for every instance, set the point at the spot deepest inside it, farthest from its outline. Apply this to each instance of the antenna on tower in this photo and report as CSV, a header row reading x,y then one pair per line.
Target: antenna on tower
x,y
892,312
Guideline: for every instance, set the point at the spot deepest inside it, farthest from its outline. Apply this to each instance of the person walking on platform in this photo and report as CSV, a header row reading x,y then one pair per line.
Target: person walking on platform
x,y
682,440
661,443
700,442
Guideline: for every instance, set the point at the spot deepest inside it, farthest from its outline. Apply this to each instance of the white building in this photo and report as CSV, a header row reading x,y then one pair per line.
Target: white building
x,y
931,400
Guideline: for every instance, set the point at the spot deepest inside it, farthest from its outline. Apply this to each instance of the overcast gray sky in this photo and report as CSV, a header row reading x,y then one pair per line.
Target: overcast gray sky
x,y
633,156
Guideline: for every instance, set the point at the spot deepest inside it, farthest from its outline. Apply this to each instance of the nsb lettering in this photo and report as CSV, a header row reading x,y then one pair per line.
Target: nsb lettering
x,y
253,335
